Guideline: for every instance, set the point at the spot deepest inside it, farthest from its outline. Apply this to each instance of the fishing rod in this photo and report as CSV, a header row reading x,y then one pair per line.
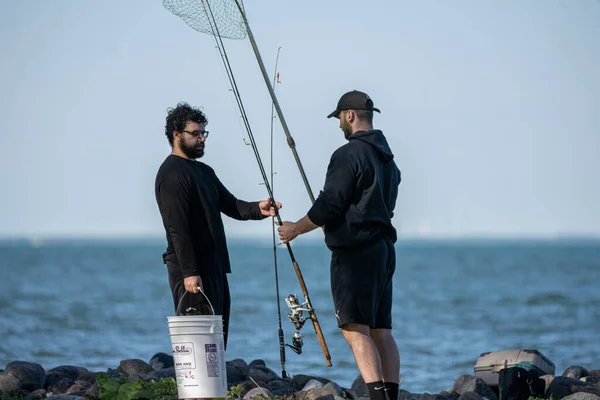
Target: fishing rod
x,y
280,329
296,308
290,140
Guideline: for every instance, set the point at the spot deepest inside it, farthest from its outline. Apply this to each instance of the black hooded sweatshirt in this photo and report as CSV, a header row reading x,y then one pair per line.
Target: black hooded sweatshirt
x,y
357,202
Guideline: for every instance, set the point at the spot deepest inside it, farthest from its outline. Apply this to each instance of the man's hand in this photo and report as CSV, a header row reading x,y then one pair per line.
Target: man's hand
x,y
193,284
287,231
267,209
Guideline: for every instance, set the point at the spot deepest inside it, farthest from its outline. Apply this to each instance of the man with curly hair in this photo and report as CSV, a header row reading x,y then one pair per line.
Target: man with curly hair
x,y
191,199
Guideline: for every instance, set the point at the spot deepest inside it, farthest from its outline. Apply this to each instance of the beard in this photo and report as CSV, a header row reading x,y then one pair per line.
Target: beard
x,y
192,152
347,129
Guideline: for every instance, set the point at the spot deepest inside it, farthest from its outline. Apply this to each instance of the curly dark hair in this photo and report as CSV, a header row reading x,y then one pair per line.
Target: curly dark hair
x,y
178,117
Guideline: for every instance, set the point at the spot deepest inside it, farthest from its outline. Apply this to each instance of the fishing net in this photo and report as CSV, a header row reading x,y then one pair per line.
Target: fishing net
x,y
198,14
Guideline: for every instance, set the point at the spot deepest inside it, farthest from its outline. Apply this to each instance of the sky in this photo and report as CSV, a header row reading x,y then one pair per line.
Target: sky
x,y
492,109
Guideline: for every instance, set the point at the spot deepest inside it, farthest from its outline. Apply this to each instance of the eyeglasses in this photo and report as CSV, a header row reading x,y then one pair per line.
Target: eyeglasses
x,y
197,134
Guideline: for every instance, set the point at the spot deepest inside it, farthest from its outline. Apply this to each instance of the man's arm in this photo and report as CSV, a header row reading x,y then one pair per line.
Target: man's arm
x,y
174,193
332,202
338,190
289,230
240,209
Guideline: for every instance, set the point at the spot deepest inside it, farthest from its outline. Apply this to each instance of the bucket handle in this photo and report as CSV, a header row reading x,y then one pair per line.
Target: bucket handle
x,y
203,294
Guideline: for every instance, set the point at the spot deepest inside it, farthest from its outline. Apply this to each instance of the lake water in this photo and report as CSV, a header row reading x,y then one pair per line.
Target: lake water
x,y
94,303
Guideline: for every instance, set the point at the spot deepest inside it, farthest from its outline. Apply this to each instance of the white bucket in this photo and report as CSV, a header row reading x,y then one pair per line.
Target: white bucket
x,y
199,355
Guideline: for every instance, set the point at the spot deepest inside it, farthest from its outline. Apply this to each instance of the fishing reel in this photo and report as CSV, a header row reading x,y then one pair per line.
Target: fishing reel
x,y
297,343
296,310
296,317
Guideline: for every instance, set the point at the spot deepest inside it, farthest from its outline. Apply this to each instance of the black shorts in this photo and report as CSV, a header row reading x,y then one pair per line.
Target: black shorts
x,y
361,284
216,289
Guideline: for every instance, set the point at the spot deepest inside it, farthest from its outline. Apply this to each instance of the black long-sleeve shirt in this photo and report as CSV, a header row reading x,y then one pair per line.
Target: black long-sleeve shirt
x,y
357,202
191,198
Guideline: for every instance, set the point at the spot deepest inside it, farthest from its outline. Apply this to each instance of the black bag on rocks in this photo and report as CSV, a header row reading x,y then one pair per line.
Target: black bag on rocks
x,y
517,383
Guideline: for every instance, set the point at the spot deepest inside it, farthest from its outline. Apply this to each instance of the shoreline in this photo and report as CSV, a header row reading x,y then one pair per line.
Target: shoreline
x,y
247,380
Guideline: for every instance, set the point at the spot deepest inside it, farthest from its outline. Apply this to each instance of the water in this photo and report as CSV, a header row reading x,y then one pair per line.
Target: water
x,y
94,303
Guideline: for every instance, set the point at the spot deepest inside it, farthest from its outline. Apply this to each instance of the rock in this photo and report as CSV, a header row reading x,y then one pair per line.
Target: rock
x,y
238,363
300,380
157,375
161,361
261,373
470,396
312,384
582,396
113,373
359,388
65,397
9,384
449,395
234,374
548,379
258,392
89,377
246,387
562,387
257,363
334,389
318,394
469,383
31,375
79,387
280,387
37,394
133,367
61,386
64,371
593,377
575,372
93,392
424,396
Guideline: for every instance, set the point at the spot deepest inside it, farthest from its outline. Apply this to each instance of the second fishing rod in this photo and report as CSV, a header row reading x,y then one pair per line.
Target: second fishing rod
x,y
225,59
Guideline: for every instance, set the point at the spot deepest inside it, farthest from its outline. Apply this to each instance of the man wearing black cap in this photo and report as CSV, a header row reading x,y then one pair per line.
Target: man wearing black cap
x,y
356,207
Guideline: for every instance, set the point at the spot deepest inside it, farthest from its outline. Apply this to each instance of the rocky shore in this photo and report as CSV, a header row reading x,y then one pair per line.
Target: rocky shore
x,y
29,380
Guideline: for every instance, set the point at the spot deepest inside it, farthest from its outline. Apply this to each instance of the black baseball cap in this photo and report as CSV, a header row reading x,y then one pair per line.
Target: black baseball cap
x,y
353,100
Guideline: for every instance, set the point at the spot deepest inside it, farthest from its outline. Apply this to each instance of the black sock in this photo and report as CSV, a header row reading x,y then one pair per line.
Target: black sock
x,y
392,390
376,390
